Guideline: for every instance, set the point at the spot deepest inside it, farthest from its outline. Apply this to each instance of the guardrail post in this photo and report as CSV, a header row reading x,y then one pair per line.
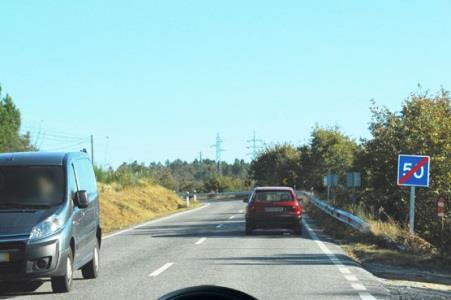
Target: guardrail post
x,y
187,200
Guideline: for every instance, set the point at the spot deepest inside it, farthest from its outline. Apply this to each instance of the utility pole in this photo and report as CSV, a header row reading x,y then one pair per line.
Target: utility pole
x,y
200,166
219,150
107,139
255,146
92,149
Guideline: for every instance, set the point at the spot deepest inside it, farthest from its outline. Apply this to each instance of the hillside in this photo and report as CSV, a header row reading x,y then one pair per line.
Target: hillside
x,y
122,207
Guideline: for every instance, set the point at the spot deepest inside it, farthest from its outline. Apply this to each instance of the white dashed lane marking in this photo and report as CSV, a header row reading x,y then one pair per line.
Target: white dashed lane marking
x,y
160,270
231,217
200,241
219,226
344,270
358,286
351,278
366,296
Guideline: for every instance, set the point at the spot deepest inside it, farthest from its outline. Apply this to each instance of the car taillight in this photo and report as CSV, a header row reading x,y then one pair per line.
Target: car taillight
x,y
296,208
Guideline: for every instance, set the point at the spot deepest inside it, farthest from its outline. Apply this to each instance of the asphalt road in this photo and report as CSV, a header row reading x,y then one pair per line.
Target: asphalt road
x,y
207,245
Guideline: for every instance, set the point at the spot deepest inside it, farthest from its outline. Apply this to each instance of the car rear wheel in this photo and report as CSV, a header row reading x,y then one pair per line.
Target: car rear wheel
x,y
63,284
91,269
298,229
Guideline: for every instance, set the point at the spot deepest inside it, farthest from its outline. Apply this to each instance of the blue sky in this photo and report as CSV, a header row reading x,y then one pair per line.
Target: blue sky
x,y
161,78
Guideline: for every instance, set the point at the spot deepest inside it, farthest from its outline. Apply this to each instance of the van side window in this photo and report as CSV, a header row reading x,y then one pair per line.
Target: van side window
x,y
85,176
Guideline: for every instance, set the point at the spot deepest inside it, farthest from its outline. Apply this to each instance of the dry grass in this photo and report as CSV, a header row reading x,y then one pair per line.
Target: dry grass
x,y
388,243
392,231
368,253
122,207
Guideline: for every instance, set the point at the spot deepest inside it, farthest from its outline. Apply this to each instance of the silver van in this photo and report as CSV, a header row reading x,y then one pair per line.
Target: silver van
x,y
49,218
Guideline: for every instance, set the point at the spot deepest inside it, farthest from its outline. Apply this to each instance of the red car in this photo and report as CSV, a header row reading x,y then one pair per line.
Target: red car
x,y
273,207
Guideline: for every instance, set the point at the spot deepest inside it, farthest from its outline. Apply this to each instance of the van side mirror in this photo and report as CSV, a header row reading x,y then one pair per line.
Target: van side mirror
x,y
82,199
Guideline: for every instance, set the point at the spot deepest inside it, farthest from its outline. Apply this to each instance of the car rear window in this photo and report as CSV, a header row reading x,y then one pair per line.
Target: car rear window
x,y
273,196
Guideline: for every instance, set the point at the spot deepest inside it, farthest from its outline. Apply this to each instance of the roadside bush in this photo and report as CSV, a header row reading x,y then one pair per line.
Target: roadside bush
x,y
423,126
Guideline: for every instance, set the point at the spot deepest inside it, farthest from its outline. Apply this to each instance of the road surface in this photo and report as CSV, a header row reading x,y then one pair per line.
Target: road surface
x,y
207,245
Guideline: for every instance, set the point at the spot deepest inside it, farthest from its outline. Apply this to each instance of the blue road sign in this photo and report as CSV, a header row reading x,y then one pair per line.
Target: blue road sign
x,y
353,179
330,180
413,170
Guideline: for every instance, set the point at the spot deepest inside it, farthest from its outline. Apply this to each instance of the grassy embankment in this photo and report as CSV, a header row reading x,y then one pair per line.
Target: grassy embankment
x,y
387,245
124,206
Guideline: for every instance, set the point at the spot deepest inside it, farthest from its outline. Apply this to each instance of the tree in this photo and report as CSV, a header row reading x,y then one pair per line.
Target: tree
x,y
10,138
423,126
329,152
276,165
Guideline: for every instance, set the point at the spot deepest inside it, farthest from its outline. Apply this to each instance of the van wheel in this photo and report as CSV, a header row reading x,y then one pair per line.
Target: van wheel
x,y
63,284
248,230
91,269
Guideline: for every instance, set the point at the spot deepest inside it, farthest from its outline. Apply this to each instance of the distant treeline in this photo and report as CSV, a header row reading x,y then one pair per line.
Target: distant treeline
x,y
422,126
182,176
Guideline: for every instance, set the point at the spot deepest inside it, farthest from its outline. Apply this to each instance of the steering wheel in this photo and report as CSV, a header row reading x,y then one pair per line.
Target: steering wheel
x,y
207,292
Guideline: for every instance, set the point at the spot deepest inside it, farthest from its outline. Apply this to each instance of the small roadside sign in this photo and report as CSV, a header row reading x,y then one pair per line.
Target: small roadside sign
x,y
353,179
330,180
413,170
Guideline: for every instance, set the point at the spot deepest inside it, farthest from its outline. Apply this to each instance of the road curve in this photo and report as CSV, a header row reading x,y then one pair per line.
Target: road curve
x,y
208,246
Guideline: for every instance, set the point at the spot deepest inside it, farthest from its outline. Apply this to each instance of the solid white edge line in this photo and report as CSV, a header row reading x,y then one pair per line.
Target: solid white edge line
x,y
355,285
155,221
160,270
201,240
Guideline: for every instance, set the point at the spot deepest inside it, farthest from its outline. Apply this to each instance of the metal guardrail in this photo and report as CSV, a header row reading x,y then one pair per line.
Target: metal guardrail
x,y
212,196
223,195
339,214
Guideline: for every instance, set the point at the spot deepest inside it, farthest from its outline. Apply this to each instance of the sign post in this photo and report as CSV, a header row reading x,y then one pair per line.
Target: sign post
x,y
330,181
353,180
412,210
413,171
441,210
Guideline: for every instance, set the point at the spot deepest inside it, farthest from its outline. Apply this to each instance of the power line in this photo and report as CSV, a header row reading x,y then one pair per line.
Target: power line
x,y
73,146
219,150
52,133
255,145
52,140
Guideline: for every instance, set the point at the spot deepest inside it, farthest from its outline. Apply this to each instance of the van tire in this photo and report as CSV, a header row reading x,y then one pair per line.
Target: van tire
x,y
63,284
248,229
91,269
